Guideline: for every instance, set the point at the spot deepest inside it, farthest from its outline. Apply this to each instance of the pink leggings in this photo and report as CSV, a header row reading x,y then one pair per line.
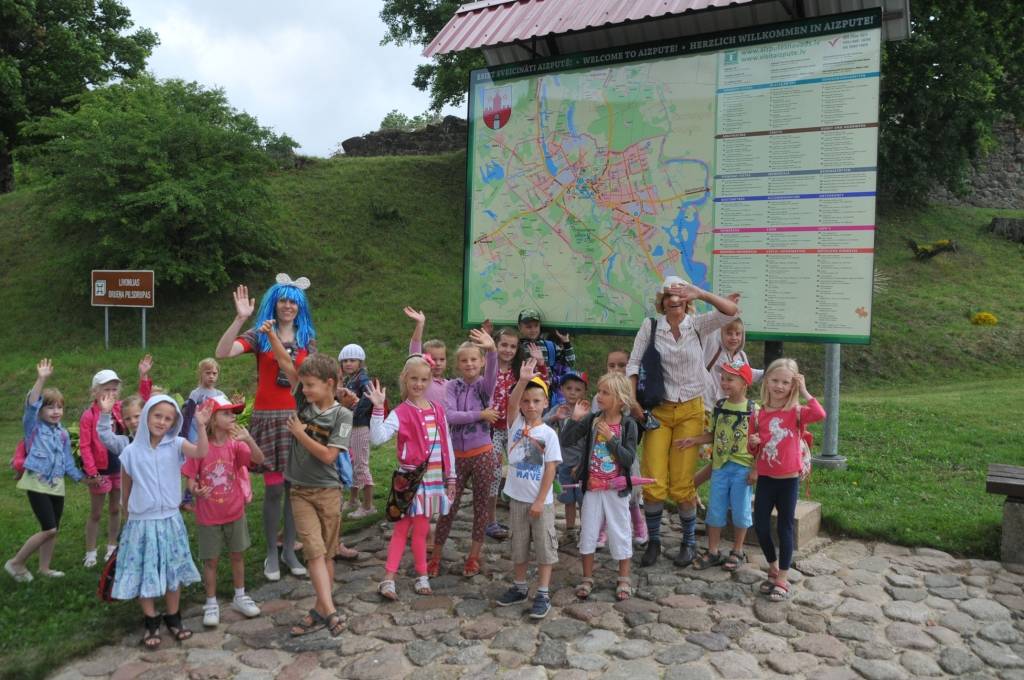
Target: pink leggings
x,y
420,526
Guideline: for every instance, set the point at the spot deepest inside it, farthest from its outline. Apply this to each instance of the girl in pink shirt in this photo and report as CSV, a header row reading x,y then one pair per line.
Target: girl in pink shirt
x,y
775,442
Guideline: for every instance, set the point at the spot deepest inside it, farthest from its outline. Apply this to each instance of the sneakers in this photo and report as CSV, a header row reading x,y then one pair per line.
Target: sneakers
x,y
361,512
245,605
541,606
23,576
271,575
350,507
652,554
571,536
211,614
90,559
512,596
52,573
110,551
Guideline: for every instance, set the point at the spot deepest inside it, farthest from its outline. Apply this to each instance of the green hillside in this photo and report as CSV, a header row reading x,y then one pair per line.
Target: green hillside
x,y
374,234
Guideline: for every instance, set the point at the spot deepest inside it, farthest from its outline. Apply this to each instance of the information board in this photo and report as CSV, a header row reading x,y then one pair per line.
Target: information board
x,y
744,162
123,288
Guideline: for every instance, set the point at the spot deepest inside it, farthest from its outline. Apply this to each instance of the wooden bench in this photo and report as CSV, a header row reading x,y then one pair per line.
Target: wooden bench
x,y
1008,480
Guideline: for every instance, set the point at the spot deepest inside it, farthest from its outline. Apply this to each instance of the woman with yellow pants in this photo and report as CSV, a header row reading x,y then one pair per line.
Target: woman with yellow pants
x,y
678,338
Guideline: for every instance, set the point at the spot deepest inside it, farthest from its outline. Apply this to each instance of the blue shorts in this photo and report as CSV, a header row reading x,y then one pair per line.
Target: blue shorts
x,y
565,477
730,491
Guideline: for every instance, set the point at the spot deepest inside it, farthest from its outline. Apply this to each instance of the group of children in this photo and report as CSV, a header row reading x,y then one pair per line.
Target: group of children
x,y
517,397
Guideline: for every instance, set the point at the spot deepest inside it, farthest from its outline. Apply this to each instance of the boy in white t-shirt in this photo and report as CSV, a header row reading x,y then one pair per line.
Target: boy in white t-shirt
x,y
533,457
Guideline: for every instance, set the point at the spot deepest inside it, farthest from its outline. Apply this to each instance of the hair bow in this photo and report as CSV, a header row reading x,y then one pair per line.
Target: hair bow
x,y
429,359
302,283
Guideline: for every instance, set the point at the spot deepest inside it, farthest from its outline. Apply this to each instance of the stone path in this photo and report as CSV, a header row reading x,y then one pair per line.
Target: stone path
x,y
858,610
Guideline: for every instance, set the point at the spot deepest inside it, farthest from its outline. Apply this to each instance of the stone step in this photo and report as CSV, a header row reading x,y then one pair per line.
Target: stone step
x,y
806,526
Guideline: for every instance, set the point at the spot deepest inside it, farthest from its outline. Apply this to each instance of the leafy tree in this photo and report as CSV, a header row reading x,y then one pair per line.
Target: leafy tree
x,y
162,175
417,22
52,49
396,120
961,72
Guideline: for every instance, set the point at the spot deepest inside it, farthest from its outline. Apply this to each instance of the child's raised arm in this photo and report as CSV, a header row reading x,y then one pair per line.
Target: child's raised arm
x,y
416,341
202,417
44,369
526,374
280,353
381,429
145,382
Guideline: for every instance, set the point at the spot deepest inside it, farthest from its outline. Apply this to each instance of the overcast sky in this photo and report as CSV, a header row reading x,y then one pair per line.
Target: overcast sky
x,y
313,69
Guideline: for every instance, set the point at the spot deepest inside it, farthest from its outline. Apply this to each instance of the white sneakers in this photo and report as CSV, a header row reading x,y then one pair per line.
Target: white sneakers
x,y
211,614
90,559
245,605
361,512
271,575
110,551
52,573
23,576
242,604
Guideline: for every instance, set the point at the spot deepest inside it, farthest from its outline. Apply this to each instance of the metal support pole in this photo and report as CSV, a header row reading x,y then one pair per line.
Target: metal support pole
x,y
143,328
106,328
772,351
830,458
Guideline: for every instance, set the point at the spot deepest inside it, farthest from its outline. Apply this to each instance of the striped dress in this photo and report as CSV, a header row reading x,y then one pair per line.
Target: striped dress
x,y
435,445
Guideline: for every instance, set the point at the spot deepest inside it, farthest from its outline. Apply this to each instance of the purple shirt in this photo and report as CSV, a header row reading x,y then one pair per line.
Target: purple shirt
x,y
465,401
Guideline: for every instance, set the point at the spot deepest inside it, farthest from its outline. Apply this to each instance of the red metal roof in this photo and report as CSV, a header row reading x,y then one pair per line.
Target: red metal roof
x,y
496,22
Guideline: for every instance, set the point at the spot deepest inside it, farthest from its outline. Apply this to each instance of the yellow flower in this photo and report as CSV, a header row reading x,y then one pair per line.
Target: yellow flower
x,y
984,319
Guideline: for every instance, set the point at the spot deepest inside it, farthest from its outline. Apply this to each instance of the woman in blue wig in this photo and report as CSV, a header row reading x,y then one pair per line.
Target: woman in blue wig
x,y
284,302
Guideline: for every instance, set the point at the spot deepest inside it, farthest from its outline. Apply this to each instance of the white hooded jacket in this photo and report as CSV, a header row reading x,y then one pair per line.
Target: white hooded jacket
x,y
155,472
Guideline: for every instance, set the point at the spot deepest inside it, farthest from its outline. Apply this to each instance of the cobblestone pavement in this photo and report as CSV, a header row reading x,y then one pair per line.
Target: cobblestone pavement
x,y
858,610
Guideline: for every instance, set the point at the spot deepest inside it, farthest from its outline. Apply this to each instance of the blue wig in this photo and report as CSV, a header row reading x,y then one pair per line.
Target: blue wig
x,y
304,331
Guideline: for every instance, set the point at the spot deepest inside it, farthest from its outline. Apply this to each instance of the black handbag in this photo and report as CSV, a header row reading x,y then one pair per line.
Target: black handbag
x,y
650,388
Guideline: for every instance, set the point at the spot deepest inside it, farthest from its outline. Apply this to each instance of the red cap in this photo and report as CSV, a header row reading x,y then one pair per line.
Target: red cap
x,y
741,368
224,404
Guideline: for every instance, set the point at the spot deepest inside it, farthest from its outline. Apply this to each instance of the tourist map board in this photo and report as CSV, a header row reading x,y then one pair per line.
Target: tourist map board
x,y
743,162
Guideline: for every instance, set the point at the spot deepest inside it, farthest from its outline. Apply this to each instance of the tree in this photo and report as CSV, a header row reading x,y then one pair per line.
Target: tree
x,y
396,120
161,175
942,91
52,49
417,22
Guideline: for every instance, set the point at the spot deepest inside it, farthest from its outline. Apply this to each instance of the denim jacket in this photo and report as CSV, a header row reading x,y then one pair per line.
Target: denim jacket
x,y
49,455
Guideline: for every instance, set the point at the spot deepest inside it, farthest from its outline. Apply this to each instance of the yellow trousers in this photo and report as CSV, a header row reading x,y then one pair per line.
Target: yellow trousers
x,y
672,468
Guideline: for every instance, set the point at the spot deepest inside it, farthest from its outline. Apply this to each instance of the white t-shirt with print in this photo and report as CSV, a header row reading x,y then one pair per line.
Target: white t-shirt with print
x,y
527,455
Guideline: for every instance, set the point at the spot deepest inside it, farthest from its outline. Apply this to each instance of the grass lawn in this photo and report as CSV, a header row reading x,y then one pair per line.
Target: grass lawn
x,y
917,460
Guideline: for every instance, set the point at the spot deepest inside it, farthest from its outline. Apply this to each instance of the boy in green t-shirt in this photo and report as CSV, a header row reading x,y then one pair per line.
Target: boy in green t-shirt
x,y
732,466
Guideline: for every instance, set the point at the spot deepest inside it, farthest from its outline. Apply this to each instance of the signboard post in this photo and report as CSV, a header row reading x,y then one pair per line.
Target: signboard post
x,y
122,288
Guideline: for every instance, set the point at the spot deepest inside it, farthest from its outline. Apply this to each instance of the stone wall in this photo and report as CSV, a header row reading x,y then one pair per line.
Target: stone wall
x,y
448,135
998,179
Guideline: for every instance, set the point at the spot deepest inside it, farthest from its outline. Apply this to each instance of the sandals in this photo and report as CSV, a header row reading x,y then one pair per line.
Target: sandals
x,y
769,583
422,586
623,589
585,587
779,592
386,589
177,630
496,531
472,566
334,624
310,623
708,560
734,560
151,640
434,565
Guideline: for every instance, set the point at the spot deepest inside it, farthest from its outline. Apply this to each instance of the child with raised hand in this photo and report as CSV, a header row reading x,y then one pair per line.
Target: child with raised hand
x,y
103,468
775,441
533,457
355,383
574,390
320,430
731,463
47,449
424,441
470,416
610,438
215,482
725,347
507,342
153,556
438,354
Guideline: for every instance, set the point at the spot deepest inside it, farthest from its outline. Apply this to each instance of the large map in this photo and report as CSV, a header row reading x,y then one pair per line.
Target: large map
x,y
743,162
590,187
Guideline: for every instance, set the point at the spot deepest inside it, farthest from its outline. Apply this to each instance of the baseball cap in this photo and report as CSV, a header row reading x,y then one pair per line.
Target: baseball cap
x,y
103,377
352,351
539,381
529,314
575,375
224,404
741,368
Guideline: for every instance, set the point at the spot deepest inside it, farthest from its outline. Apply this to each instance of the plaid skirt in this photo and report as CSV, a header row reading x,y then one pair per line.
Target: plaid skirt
x,y
270,431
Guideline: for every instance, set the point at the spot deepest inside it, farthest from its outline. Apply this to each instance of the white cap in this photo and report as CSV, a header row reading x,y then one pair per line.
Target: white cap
x,y
672,281
103,377
352,351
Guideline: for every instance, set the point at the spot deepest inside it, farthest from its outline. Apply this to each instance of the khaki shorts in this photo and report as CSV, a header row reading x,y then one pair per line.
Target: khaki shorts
x,y
541,530
317,512
214,539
